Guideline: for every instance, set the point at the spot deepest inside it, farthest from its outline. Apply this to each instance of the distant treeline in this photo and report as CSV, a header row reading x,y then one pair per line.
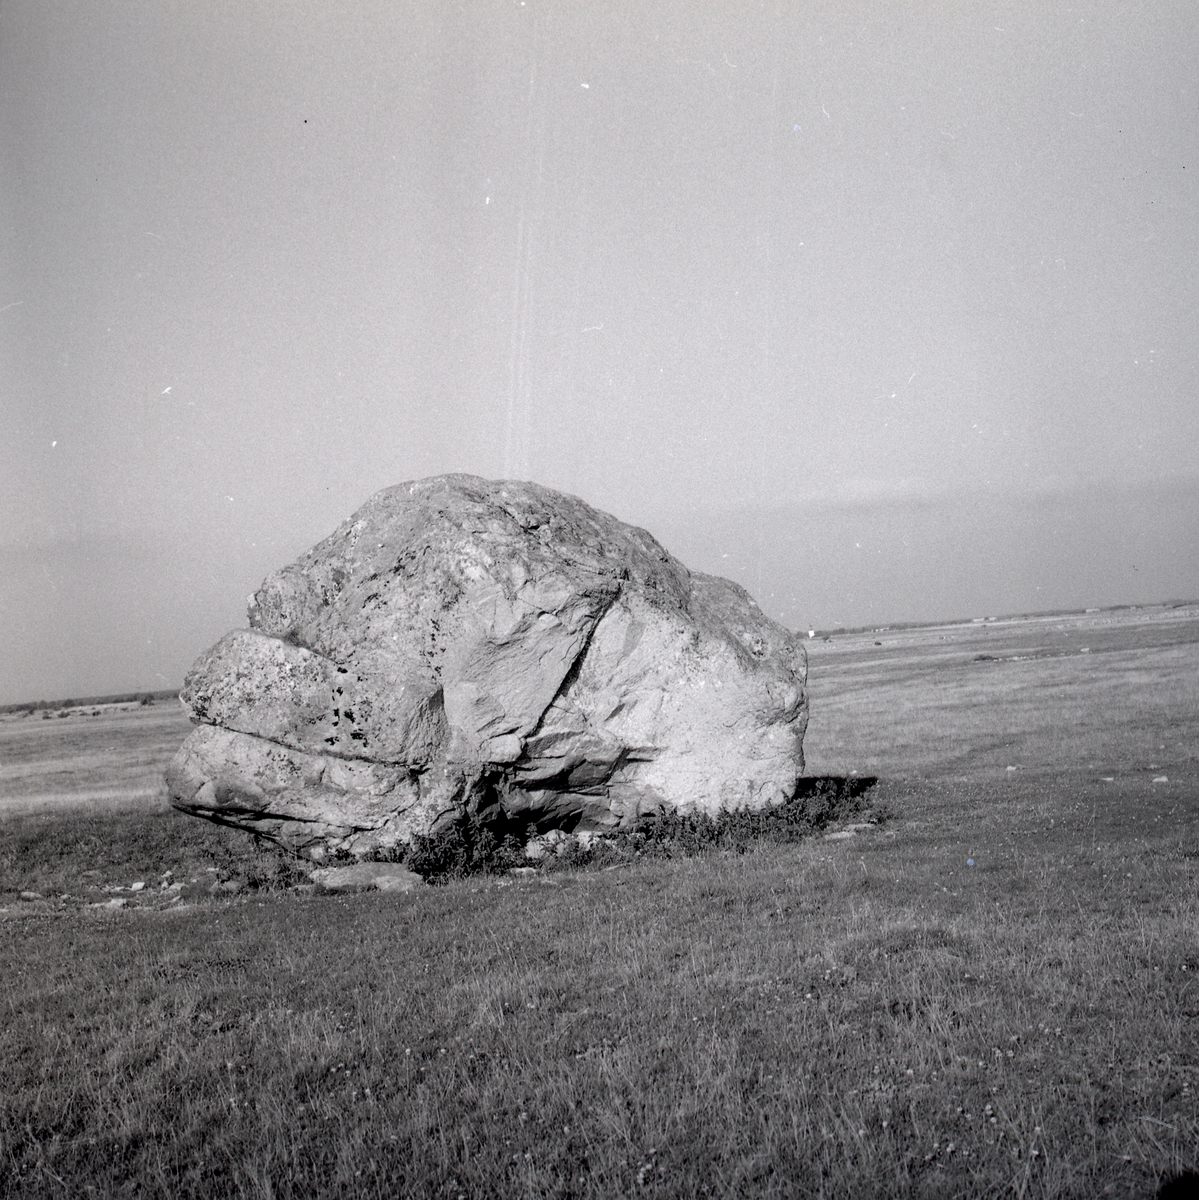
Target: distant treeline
x,y
92,701
893,626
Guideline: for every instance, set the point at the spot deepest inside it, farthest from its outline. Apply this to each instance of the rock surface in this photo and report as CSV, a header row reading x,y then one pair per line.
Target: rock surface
x,y
366,877
467,646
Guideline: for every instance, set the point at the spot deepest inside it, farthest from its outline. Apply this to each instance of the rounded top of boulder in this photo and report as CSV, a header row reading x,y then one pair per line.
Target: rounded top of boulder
x,y
399,565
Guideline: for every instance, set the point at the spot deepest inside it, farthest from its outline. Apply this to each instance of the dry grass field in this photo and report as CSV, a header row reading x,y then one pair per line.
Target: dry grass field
x,y
95,757
1103,690
993,992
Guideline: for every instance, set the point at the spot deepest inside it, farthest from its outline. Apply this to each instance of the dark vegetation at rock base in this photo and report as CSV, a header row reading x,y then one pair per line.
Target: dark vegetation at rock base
x,y
472,846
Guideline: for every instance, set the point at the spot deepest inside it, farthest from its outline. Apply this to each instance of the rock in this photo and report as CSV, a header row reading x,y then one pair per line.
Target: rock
x,y
194,889
461,646
365,877
589,839
553,841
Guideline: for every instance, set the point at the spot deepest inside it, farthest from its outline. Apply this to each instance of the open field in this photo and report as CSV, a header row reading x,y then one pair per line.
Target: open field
x,y
101,757
992,993
1106,691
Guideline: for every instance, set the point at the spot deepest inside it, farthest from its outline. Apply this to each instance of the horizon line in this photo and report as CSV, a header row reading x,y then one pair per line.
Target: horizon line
x,y
137,695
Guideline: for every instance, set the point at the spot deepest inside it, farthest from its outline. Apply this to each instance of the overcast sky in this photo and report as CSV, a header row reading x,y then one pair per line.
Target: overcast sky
x,y
887,310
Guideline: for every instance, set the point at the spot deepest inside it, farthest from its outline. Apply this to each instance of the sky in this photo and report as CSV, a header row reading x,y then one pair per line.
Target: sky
x,y
885,309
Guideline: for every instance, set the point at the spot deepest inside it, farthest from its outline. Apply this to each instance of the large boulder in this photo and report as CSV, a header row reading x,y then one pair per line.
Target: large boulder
x,y
466,646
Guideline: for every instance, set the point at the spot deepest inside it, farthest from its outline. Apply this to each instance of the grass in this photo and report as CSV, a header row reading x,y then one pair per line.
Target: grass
x,y
103,758
78,858
971,701
992,993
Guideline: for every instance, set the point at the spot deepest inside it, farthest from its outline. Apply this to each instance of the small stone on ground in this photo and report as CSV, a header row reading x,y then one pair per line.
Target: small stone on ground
x,y
365,877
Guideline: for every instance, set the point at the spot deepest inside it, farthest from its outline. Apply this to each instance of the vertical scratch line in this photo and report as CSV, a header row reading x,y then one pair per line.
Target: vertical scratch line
x,y
768,405
516,433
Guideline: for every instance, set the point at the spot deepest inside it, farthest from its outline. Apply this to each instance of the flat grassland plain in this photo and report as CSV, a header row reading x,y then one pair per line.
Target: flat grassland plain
x,y
992,992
